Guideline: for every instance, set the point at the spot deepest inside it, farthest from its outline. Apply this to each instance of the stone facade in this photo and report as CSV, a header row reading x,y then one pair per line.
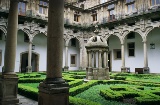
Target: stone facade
x,y
114,18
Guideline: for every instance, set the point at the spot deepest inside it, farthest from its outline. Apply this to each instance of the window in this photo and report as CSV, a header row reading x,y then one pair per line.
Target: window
x,y
131,48
22,8
26,38
111,14
43,7
155,2
76,16
131,35
73,42
130,6
117,54
73,60
94,15
103,1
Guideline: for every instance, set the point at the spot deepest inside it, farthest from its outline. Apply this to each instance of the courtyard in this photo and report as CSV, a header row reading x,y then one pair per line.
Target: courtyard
x,y
121,89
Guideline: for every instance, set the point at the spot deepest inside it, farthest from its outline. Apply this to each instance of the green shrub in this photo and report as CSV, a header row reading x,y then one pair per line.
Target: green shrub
x,y
30,80
120,78
75,83
111,95
78,89
79,101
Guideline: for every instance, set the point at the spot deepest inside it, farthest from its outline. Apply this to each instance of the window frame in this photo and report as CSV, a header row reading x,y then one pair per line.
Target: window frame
x,y
21,10
43,5
75,60
115,51
129,49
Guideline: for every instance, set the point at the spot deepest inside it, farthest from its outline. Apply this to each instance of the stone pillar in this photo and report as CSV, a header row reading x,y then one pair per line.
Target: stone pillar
x,y
80,67
66,60
90,59
29,68
8,79
99,59
87,58
146,68
94,59
104,60
123,68
54,90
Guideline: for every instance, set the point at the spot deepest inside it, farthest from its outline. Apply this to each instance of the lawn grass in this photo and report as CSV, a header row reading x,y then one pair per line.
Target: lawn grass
x,y
148,82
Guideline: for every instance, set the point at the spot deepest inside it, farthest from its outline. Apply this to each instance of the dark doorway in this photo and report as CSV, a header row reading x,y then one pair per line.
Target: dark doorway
x,y
34,62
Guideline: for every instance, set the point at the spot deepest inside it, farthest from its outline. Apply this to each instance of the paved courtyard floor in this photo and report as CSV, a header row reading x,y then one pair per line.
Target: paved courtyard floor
x,y
26,101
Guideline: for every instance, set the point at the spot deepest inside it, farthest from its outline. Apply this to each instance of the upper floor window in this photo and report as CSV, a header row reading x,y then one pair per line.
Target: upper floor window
x,y
155,2
103,1
111,14
76,16
22,8
94,15
43,7
130,6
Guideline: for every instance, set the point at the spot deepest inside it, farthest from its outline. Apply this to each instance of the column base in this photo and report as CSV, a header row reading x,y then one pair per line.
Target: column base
x,y
29,68
125,69
89,73
8,89
107,73
53,92
145,70
66,68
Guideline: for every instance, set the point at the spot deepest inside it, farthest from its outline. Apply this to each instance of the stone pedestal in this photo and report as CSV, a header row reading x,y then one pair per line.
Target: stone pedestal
x,y
101,74
66,68
53,93
89,73
107,73
8,89
123,69
145,70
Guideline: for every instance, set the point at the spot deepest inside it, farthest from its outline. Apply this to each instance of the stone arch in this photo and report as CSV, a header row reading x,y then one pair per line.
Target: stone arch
x,y
79,41
37,33
3,29
114,34
136,31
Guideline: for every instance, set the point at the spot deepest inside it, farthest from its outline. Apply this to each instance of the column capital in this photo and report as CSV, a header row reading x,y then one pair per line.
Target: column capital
x,y
99,50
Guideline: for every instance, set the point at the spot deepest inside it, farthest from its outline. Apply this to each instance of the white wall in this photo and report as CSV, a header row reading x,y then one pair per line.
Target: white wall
x,y
21,47
40,42
114,43
154,54
138,60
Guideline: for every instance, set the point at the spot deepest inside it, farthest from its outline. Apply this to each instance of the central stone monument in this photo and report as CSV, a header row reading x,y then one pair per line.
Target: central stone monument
x,y
97,56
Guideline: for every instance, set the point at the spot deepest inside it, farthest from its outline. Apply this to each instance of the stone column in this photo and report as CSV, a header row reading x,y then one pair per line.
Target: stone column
x,y
123,68
80,67
146,68
8,79
54,90
87,58
90,59
100,59
29,68
104,60
94,59
66,59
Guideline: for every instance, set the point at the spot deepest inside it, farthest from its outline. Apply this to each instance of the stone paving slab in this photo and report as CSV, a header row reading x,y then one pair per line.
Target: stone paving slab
x,y
26,101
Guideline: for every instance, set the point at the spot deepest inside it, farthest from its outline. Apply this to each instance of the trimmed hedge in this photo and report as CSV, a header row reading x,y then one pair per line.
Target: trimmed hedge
x,y
75,83
78,89
111,95
30,80
28,91
79,101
